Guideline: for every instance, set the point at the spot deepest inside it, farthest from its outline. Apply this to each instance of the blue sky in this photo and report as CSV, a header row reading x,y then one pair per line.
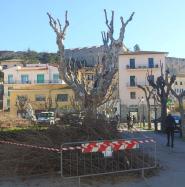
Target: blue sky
x,y
157,25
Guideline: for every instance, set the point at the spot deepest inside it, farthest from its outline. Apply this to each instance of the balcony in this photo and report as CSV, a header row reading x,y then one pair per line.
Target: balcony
x,y
134,85
33,82
141,67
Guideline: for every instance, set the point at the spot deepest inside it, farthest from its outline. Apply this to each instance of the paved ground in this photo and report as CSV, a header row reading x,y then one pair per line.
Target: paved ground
x,y
172,173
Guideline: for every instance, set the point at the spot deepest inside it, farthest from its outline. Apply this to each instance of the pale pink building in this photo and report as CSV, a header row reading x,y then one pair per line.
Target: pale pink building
x,y
133,67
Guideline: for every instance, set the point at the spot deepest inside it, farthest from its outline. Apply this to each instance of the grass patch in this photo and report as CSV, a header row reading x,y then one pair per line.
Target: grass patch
x,y
17,129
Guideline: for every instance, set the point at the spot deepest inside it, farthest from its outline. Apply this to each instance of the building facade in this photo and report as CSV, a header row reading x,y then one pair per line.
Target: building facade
x,y
43,97
5,64
37,82
133,70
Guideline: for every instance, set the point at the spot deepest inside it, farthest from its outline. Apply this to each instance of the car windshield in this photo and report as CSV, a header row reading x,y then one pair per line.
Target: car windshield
x,y
46,114
176,117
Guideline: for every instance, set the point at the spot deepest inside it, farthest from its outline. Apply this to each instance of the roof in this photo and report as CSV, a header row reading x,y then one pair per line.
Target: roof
x,y
142,52
31,67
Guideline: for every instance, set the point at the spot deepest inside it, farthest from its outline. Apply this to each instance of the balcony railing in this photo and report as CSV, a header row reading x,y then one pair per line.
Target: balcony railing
x,y
34,82
142,67
137,83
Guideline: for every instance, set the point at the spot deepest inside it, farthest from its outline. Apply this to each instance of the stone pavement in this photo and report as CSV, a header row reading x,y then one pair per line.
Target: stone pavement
x,y
172,173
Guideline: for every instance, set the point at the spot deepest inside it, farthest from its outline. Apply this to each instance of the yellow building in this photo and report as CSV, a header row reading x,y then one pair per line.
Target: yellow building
x,y
86,74
42,97
40,84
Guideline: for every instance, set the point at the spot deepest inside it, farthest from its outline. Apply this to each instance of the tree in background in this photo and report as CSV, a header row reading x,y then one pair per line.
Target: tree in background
x,y
180,97
136,48
30,57
163,85
148,91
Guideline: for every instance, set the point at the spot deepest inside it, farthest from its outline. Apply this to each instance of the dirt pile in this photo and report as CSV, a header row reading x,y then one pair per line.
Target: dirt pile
x,y
15,160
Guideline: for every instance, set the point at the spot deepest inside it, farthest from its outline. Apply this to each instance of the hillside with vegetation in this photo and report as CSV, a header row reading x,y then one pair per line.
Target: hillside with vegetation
x,y
30,56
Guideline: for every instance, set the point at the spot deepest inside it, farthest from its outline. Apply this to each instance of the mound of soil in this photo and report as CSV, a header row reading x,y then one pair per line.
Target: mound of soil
x,y
15,160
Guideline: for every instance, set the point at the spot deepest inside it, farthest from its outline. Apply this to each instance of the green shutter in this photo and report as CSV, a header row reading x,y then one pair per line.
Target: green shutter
x,y
40,78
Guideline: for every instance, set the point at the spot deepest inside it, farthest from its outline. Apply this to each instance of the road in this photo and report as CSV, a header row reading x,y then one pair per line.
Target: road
x,y
171,161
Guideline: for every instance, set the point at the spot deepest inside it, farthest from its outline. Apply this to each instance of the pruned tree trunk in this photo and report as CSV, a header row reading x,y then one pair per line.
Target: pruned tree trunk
x,y
105,70
163,85
181,109
149,114
148,94
163,113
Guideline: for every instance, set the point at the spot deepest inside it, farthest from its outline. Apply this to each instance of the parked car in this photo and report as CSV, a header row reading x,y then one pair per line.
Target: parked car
x,y
46,118
177,123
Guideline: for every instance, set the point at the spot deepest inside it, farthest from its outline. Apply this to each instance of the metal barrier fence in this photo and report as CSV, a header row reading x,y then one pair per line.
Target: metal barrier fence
x,y
80,159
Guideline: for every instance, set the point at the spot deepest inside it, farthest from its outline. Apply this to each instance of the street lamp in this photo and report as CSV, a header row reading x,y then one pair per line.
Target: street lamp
x,y
143,117
155,109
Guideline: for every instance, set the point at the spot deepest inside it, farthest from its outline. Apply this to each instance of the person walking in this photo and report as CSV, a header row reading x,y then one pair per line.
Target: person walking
x,y
128,121
133,120
170,127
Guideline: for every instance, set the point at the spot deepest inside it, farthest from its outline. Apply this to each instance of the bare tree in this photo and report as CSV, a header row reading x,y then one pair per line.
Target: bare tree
x,y
163,85
21,102
181,108
24,107
102,87
48,103
148,94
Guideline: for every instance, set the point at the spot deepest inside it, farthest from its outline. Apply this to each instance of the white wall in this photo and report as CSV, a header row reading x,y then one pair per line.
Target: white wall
x,y
32,70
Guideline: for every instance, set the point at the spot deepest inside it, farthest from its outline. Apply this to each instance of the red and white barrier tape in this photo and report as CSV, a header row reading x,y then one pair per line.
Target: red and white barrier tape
x,y
107,145
91,146
30,146
115,145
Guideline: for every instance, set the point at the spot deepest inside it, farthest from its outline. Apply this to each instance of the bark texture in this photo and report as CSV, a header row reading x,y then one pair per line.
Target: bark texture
x,y
163,85
105,70
180,97
148,94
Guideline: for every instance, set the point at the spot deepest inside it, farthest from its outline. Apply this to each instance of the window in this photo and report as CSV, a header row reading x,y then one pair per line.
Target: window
x,y
10,79
132,63
150,62
132,81
24,79
62,97
89,77
176,83
40,78
180,83
40,98
132,95
5,66
55,78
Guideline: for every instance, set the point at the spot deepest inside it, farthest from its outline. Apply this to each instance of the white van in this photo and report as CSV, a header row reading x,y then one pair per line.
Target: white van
x,y
46,118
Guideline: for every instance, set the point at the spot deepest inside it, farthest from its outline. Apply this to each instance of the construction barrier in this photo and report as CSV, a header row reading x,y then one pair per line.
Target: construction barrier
x,y
30,146
79,159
